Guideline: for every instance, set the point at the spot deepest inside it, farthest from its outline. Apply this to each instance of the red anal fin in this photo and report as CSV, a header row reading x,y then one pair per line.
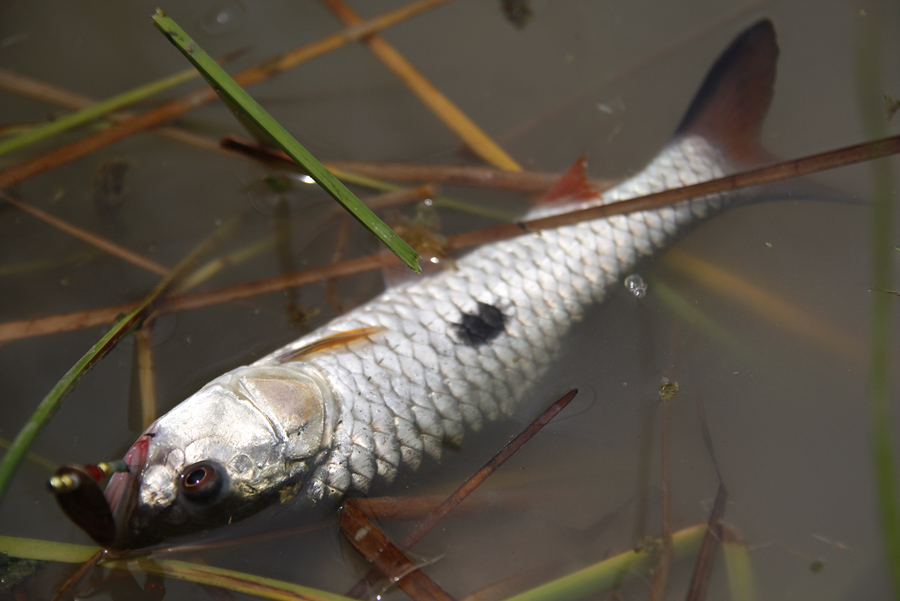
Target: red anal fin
x,y
729,108
572,186
338,339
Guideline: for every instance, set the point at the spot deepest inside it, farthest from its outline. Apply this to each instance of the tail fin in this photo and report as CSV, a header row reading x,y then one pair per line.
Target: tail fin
x,y
729,109
732,103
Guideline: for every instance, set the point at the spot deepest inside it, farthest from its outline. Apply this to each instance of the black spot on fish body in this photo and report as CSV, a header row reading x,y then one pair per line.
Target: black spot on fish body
x,y
480,327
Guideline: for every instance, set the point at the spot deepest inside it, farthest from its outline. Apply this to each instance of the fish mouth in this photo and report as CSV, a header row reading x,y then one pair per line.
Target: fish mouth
x,y
103,516
122,491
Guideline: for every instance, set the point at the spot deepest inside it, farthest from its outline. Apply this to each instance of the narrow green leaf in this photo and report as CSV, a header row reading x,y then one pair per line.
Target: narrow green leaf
x,y
93,112
265,125
739,570
45,410
701,321
590,581
869,42
267,588
45,550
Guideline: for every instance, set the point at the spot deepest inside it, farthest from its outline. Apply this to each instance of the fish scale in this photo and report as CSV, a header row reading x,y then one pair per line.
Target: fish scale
x,y
401,378
392,415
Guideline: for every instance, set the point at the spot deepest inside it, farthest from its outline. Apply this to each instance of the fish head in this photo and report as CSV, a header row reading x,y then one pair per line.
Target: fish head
x,y
246,440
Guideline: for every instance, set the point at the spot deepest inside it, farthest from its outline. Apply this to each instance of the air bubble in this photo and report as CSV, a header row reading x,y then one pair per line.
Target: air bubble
x,y
224,16
636,285
267,192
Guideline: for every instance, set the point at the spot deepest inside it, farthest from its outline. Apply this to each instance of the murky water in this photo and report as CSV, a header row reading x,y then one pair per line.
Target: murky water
x,y
787,411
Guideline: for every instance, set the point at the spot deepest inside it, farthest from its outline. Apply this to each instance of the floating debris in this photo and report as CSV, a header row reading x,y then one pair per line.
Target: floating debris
x,y
13,569
636,285
668,390
108,183
517,12
420,232
223,17
891,106
267,193
616,105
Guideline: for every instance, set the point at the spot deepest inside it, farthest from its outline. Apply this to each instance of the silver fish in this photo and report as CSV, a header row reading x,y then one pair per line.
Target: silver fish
x,y
395,381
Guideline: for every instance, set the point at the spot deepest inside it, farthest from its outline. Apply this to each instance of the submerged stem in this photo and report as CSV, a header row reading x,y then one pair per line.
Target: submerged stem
x,y
609,572
124,326
93,112
869,89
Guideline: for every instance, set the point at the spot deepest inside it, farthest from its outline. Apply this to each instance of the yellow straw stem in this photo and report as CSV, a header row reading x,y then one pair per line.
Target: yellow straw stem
x,y
86,236
442,106
765,304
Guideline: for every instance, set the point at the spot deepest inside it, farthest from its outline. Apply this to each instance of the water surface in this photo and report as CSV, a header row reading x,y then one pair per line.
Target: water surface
x,y
787,413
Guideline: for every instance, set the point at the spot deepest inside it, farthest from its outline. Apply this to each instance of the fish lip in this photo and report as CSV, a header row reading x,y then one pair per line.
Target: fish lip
x,y
123,488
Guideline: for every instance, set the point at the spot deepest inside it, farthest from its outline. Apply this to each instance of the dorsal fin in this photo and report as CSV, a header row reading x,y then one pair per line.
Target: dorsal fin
x,y
572,186
730,106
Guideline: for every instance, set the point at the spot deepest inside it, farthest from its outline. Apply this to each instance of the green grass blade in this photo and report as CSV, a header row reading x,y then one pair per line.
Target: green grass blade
x,y
739,570
45,550
717,332
93,112
585,582
592,580
42,415
124,326
869,36
249,110
267,588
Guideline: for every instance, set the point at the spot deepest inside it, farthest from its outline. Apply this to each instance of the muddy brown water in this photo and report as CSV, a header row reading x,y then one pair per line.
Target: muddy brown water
x,y
787,413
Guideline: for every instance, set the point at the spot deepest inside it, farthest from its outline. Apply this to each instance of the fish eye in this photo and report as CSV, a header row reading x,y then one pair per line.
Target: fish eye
x,y
200,481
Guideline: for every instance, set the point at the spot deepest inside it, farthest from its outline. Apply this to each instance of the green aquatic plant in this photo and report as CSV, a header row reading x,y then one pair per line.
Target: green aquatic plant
x,y
262,125
123,326
883,194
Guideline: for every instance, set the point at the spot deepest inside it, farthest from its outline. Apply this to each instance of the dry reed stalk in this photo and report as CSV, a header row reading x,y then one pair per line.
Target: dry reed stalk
x,y
451,175
387,558
783,170
804,166
146,375
86,236
766,305
433,98
80,573
52,94
664,565
390,200
707,555
64,322
171,110
459,175
340,245
469,486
